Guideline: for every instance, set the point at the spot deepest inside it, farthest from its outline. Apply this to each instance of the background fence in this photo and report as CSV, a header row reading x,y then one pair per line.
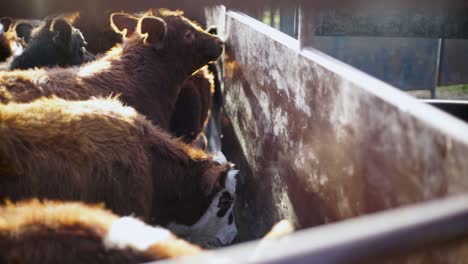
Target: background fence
x,y
408,49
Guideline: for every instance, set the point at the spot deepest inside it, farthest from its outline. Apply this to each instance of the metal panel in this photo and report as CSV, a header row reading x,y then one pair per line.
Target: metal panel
x,y
325,142
407,63
288,20
454,62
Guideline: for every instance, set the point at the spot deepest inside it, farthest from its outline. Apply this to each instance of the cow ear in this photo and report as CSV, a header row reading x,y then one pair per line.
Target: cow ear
x,y
213,180
23,30
62,30
153,29
6,23
123,24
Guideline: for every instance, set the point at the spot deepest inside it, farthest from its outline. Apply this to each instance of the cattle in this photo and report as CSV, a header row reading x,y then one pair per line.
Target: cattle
x,y
53,43
147,69
192,109
71,232
99,150
14,34
48,232
198,108
5,50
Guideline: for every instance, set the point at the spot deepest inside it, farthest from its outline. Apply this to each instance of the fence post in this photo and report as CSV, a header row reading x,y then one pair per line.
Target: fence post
x,y
306,27
438,72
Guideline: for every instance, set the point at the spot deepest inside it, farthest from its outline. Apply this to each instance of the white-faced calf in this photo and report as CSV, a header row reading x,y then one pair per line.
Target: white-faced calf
x,y
99,150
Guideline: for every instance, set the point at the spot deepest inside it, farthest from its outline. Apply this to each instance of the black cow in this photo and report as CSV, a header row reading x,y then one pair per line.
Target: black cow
x,y
54,43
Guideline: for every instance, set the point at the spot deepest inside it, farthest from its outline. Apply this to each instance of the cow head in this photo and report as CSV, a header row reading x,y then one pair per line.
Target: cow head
x,y
53,43
216,227
172,37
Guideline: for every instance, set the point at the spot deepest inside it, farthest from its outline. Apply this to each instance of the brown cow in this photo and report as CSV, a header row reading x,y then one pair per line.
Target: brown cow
x,y
69,232
99,150
192,109
147,69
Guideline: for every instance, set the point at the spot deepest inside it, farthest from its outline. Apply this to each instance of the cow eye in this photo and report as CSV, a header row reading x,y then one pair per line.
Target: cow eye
x,y
189,35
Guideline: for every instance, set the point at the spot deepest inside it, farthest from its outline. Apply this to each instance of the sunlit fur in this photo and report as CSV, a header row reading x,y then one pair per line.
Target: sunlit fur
x,y
163,12
193,105
70,232
99,150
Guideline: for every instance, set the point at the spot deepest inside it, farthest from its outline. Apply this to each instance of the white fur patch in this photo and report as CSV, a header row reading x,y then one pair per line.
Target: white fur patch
x,y
16,48
128,232
211,230
219,157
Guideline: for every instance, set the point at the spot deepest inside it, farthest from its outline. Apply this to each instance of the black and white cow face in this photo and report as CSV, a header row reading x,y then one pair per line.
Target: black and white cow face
x,y
217,226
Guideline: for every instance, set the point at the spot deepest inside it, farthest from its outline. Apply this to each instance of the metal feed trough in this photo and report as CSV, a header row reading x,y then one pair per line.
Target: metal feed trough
x,y
367,173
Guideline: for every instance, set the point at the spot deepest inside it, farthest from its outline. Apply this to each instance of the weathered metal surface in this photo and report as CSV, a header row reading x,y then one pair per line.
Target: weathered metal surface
x,y
407,63
454,62
325,142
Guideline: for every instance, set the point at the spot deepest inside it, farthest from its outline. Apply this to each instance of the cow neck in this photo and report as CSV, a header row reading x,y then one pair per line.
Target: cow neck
x,y
143,75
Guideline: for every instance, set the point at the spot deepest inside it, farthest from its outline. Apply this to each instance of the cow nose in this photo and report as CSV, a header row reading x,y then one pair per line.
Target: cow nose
x,y
220,42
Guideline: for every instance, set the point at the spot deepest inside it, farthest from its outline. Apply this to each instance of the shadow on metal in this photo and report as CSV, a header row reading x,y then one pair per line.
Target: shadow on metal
x,y
457,108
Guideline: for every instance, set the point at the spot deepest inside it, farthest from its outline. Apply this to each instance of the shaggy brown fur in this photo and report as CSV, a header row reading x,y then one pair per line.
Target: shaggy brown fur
x,y
67,232
99,150
192,110
147,69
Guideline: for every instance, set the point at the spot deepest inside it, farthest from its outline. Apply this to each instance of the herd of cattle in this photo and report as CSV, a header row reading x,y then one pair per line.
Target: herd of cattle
x,y
123,128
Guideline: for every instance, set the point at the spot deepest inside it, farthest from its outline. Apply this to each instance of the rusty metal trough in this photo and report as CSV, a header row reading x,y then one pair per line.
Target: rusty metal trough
x,y
367,173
